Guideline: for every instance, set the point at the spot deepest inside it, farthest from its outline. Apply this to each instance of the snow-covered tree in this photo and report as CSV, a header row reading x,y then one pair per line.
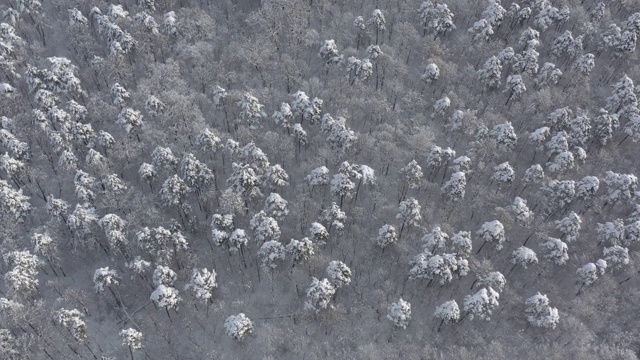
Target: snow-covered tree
x,y
13,203
130,119
166,297
491,73
339,273
448,312
400,313
427,266
526,63
300,250
556,251
342,186
503,173
515,87
481,303
339,137
209,141
173,191
319,233
412,174
462,163
219,97
163,158
493,279
22,278
611,232
409,212
8,343
523,214
437,17
81,219
454,188
438,156
624,101
264,227
462,244
251,110
255,157
387,235
529,38
138,265
238,240
275,206
561,162
334,216
533,174
318,176
72,320
548,75
493,232
119,95
559,193
585,63
569,226
441,106
147,172
539,313
300,135
238,326
378,21
244,181
329,52
435,241
588,273
620,187
481,30
579,130
616,256
587,187
44,245
203,282
632,233
132,339
163,275
319,295
170,23
275,177
524,256
270,253
57,207
431,73
105,277
539,136
195,173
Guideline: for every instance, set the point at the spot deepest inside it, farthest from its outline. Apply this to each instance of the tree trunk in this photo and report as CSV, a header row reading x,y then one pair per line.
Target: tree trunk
x,y
483,244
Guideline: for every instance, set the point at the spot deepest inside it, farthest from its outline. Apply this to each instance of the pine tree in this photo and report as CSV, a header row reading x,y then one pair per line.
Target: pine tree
x,y
319,295
270,253
301,250
238,326
524,257
386,235
491,73
339,273
493,232
400,313
449,312
203,282
539,313
557,251
481,303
